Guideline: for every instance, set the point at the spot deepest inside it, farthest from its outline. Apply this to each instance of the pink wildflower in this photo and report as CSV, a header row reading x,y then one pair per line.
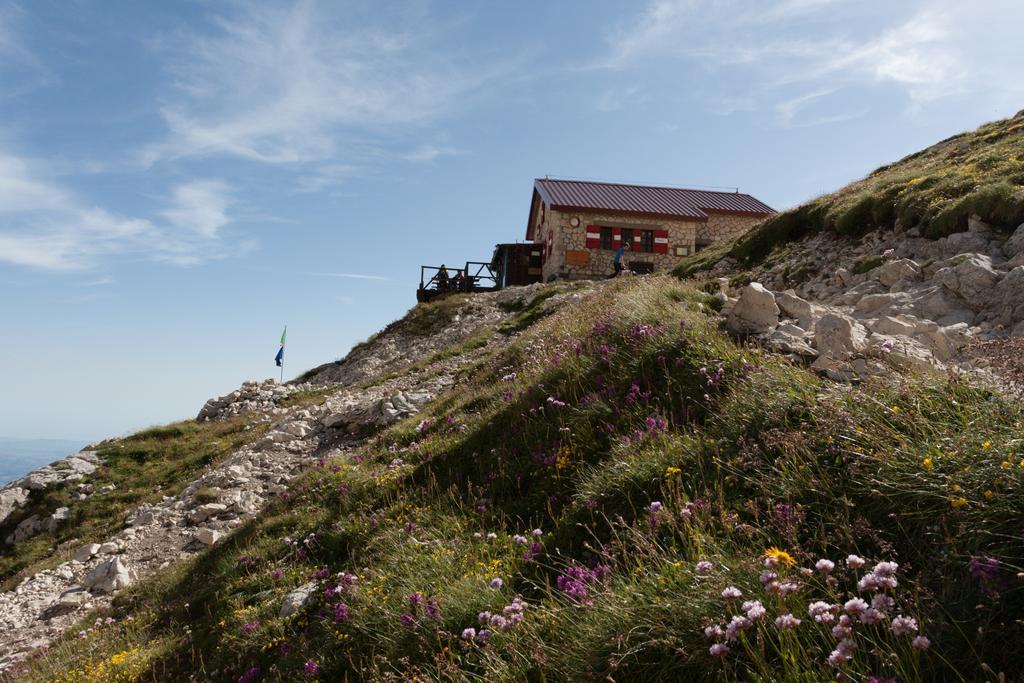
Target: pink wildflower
x,y
855,606
904,626
786,622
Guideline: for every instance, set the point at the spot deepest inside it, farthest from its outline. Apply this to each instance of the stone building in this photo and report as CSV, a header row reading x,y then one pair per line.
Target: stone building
x,y
581,223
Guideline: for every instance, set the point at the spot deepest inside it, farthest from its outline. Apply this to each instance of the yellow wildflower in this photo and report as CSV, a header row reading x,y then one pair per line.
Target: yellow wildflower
x,y
958,502
988,494
780,556
987,444
1006,464
896,409
672,470
928,464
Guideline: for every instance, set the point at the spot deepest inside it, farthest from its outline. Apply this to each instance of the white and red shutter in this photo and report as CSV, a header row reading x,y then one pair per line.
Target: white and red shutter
x,y
661,241
616,238
593,237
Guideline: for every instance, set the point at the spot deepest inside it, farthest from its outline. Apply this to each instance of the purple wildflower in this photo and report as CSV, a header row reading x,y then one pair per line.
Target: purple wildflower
x,y
250,676
341,612
311,667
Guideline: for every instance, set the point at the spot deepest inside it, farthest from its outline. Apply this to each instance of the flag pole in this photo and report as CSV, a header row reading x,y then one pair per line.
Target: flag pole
x,y
281,381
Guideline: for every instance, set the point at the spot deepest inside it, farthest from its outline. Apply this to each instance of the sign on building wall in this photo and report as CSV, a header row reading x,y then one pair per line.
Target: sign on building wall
x,y
577,258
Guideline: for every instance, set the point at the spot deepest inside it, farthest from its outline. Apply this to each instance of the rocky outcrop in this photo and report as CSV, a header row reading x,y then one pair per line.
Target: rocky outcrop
x,y
251,397
17,494
920,307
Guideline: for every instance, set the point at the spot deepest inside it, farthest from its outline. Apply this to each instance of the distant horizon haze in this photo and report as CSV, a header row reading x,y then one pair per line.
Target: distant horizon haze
x,y
18,457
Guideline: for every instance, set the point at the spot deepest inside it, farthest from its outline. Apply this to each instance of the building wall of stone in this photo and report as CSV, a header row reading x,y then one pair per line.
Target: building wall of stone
x,y
566,237
721,226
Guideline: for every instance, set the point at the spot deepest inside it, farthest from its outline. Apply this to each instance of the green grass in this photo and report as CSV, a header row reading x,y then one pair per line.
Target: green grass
x,y
143,468
935,190
866,264
629,396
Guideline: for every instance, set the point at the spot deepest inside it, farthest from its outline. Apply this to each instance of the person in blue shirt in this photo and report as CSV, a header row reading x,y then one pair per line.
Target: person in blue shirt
x,y
618,258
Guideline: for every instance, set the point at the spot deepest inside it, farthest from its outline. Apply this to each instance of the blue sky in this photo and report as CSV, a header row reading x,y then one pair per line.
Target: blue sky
x,y
179,180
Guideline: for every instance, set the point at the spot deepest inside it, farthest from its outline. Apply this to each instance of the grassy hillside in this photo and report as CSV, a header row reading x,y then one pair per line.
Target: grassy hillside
x,y
935,190
584,505
139,469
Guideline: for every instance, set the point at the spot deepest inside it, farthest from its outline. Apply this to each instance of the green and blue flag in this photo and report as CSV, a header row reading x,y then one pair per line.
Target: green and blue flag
x,y
279,358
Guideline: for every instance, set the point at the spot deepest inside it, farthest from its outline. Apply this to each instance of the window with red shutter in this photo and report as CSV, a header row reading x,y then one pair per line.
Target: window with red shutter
x,y
594,236
661,241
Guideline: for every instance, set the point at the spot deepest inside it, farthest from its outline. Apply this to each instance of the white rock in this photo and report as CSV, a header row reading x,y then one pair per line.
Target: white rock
x,y
85,553
839,337
891,272
891,325
792,306
208,536
297,599
79,465
1007,299
970,276
755,312
205,512
10,500
108,576
1015,245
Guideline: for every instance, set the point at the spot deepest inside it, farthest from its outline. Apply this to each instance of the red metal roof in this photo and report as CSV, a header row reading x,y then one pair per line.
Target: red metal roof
x,y
661,202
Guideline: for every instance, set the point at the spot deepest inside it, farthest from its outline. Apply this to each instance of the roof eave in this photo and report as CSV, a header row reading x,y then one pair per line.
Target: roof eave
x,y
748,214
626,212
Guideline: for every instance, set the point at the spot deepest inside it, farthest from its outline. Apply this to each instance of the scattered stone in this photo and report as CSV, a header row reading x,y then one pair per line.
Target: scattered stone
x,y
86,552
297,599
11,499
205,512
108,576
891,272
208,536
755,312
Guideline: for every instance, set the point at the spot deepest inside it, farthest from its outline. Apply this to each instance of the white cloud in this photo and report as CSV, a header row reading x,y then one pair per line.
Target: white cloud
x,y
200,206
298,84
792,50
326,176
45,226
427,153
353,276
